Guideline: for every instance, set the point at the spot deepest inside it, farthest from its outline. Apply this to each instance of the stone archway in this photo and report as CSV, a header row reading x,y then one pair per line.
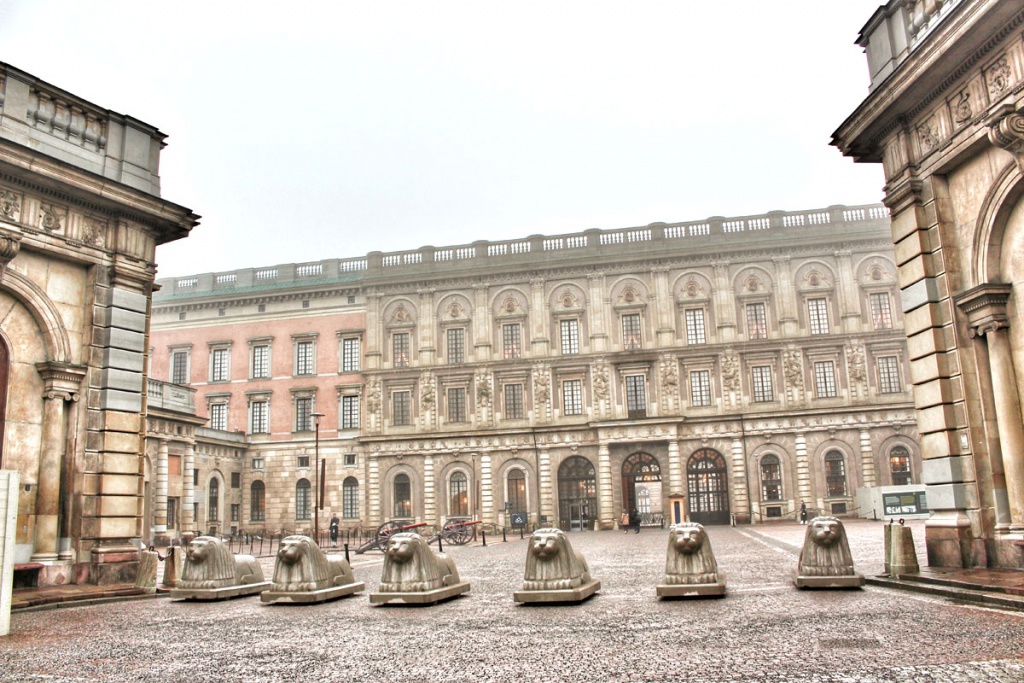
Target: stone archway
x,y
641,488
707,481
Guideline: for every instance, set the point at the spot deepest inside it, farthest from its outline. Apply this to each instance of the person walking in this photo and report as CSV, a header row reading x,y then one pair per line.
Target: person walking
x,y
803,512
335,522
624,522
634,520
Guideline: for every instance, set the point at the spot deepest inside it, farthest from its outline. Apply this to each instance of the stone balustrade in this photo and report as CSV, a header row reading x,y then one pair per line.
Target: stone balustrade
x,y
165,396
528,251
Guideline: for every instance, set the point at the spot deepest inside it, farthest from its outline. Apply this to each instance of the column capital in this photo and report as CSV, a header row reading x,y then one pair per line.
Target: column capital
x,y
10,243
985,307
61,380
1006,130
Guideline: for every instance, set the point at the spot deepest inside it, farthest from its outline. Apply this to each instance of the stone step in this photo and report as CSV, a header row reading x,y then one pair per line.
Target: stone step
x,y
964,592
989,587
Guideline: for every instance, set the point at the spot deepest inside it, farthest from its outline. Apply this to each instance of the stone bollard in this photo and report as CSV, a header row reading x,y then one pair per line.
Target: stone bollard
x,y
146,580
173,562
900,556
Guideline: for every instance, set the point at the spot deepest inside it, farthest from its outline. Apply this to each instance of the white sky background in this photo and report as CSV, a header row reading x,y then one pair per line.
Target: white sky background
x,y
311,130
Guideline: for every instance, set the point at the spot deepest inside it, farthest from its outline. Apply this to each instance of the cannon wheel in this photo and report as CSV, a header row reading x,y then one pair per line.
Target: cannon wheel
x,y
459,535
385,530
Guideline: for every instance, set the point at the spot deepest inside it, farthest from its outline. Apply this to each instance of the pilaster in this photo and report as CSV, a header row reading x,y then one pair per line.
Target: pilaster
x,y
604,487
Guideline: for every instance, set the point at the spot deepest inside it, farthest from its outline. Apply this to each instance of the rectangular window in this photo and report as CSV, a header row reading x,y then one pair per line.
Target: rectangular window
x,y
514,402
889,375
700,388
570,337
350,354
695,332
302,461
350,460
511,340
636,396
304,358
762,380
219,365
259,417
400,349
456,346
302,502
817,315
179,367
235,511
350,412
236,480
303,414
172,513
219,416
400,408
631,332
457,404
572,397
195,476
257,463
260,361
757,322
350,500
881,312
825,379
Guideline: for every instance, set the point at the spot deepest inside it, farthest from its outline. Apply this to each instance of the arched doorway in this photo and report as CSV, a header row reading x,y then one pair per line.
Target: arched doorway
x,y
708,487
577,494
641,488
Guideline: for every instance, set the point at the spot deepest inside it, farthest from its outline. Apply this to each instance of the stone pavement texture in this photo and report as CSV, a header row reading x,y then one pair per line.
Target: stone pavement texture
x,y
763,630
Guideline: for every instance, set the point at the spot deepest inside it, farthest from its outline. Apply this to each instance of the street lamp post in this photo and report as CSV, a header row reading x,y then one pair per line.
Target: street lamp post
x,y
318,502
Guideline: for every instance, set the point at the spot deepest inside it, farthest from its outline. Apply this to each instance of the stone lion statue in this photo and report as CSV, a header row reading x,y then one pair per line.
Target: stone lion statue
x,y
826,551
552,564
210,564
411,566
302,566
689,559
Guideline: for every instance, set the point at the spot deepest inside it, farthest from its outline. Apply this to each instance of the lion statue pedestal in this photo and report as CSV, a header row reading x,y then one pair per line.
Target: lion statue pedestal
x,y
304,574
416,574
554,571
690,567
825,561
213,572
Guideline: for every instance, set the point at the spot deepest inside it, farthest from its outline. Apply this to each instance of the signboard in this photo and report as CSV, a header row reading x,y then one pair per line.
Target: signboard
x,y
518,519
909,503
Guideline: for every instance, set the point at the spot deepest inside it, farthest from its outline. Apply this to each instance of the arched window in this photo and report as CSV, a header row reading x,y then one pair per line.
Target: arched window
x,y
257,501
350,498
771,478
517,490
302,498
213,511
402,496
458,495
899,465
835,475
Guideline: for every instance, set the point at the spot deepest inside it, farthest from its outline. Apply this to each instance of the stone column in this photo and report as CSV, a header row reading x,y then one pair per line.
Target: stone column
x,y
483,335
188,489
160,495
665,326
425,328
869,475
849,301
785,297
61,383
604,487
374,333
540,335
486,490
675,469
985,306
547,500
725,303
740,495
373,486
1008,416
430,515
803,469
596,311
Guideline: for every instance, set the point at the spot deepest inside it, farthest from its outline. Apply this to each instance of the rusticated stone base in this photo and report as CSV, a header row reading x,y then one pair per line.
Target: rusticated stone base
x,y
578,594
219,593
693,590
422,597
311,597
847,581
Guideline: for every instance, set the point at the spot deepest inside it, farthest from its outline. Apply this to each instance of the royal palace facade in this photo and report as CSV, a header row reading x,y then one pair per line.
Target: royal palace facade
x,y
721,370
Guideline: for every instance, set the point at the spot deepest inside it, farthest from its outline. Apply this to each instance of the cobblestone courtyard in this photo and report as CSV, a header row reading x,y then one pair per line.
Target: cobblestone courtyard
x,y
764,630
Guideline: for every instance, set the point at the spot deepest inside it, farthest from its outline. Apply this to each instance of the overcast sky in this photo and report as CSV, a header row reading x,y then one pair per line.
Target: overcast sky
x,y
310,130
